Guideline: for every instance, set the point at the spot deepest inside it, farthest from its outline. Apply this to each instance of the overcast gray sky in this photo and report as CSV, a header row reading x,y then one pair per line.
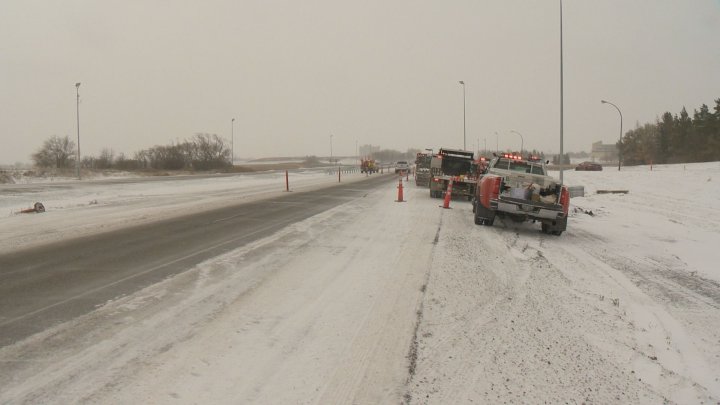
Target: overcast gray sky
x,y
379,72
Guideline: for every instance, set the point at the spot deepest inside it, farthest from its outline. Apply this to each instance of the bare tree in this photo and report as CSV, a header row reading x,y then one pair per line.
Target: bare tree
x,y
209,152
56,152
105,160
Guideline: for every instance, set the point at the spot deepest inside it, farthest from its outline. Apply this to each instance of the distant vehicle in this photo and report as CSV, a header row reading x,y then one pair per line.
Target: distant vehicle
x,y
589,166
368,166
401,166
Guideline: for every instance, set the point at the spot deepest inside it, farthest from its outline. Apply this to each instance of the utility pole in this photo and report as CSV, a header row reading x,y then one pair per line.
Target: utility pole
x,y
463,86
232,142
77,107
561,95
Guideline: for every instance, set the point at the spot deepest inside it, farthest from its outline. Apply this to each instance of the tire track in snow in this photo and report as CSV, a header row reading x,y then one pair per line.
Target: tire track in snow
x,y
662,345
509,327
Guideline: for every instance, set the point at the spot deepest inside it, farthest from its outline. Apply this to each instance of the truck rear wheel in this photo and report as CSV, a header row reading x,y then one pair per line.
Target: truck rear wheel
x,y
483,216
555,229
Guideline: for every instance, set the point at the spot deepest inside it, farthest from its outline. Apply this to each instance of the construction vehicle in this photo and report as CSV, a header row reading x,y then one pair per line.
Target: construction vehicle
x,y
368,166
520,189
455,165
422,169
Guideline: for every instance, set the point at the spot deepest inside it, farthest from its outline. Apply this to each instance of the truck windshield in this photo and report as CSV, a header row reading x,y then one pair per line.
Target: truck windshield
x,y
519,166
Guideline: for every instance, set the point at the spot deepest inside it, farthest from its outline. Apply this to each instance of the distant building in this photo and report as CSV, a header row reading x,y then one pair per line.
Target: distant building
x,y
368,150
604,152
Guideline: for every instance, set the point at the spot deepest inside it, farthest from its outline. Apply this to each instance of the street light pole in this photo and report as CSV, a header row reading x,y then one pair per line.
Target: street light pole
x,y
232,142
560,161
463,86
522,141
331,148
497,137
77,107
621,133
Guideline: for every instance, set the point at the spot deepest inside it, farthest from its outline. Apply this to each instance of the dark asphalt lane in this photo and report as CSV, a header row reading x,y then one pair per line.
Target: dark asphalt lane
x,y
44,286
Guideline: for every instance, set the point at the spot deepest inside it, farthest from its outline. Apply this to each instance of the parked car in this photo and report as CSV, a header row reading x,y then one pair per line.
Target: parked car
x,y
589,166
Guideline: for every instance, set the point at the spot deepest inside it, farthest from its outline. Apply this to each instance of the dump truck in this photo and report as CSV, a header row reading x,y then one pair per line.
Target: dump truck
x,y
422,169
456,165
520,189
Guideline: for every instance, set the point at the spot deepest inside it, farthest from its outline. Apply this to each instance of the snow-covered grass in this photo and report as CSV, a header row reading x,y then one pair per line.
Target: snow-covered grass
x,y
383,302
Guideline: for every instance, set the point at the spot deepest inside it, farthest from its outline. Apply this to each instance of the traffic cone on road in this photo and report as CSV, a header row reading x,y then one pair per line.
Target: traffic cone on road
x,y
448,195
400,191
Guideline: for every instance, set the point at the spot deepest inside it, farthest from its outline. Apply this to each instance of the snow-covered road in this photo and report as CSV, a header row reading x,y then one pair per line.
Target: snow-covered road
x,y
383,302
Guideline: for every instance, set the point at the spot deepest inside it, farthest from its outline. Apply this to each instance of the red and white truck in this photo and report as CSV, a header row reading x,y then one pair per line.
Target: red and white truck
x,y
520,189
456,166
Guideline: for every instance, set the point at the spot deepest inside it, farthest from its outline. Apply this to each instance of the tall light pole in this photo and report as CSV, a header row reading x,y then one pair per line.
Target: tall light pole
x,y
77,108
522,141
497,142
232,142
620,142
331,148
463,86
560,161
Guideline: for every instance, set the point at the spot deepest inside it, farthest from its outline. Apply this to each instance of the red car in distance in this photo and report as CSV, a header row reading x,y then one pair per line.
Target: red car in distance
x,y
589,166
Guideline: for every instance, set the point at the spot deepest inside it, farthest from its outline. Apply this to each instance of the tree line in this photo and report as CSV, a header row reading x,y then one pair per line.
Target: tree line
x,y
201,152
675,138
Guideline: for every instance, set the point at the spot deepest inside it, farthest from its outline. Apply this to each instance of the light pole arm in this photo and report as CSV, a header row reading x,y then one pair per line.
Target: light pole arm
x,y
522,141
621,131
619,112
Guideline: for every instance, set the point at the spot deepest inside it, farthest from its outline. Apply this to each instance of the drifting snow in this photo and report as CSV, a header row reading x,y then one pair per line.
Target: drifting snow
x,y
383,302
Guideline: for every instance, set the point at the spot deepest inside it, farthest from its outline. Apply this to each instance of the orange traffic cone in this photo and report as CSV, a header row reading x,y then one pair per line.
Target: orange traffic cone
x,y
448,195
400,191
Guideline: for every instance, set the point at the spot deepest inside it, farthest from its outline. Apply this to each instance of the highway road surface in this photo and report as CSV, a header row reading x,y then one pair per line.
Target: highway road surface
x,y
50,284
